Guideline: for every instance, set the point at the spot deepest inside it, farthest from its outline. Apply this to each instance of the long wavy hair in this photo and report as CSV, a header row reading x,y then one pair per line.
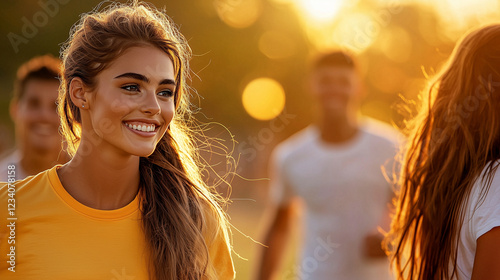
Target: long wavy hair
x,y
176,205
454,137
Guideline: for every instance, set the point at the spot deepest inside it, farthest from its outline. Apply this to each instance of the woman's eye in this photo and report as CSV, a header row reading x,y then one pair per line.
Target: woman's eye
x,y
166,93
131,88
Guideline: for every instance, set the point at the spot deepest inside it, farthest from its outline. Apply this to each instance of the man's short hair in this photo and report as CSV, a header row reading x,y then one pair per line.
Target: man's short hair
x,y
334,59
44,67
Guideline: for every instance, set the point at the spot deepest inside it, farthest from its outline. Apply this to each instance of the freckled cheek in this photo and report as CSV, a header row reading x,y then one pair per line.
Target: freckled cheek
x,y
121,105
106,120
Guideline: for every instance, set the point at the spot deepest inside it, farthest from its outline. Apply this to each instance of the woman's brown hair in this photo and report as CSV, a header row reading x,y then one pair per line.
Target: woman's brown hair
x,y
455,136
180,213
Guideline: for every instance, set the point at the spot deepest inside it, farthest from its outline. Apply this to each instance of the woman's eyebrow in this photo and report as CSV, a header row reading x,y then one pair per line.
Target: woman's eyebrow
x,y
133,76
167,82
144,78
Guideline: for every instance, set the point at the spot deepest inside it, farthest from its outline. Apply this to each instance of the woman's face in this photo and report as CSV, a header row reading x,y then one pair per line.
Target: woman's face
x,y
133,102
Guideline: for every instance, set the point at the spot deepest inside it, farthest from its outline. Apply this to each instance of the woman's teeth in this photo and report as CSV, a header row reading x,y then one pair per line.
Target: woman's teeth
x,y
145,128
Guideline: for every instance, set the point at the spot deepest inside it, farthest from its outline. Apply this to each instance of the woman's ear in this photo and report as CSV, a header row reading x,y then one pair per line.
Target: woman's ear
x,y
78,93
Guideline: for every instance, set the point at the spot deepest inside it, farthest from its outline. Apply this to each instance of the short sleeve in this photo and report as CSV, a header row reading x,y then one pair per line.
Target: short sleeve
x,y
219,247
280,189
220,256
486,213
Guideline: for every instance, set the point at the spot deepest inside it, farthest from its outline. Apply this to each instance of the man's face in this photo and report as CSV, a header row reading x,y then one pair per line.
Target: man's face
x,y
35,116
336,88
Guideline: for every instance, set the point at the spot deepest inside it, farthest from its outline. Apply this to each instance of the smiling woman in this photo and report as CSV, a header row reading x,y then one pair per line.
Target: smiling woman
x,y
138,97
132,195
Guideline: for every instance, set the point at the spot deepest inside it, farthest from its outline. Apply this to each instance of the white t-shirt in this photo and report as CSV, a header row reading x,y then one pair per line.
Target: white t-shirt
x,y
481,215
346,197
13,158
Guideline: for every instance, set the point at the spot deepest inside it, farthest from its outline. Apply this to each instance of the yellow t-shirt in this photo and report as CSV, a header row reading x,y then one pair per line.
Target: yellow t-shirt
x,y
57,237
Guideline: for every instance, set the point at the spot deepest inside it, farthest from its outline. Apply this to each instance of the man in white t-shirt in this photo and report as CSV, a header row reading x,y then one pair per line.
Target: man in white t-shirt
x,y
335,168
33,110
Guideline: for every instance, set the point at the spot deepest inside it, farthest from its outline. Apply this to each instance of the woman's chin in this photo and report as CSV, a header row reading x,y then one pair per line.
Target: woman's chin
x,y
145,152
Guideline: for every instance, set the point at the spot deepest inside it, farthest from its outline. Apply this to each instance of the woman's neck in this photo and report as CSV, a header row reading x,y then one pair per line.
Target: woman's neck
x,y
100,176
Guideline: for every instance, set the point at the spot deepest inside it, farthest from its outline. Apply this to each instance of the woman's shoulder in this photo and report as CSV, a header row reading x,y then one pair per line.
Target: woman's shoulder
x,y
213,220
489,179
29,192
26,184
216,233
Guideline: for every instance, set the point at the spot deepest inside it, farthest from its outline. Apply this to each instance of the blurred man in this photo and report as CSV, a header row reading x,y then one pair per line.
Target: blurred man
x,y
33,111
334,168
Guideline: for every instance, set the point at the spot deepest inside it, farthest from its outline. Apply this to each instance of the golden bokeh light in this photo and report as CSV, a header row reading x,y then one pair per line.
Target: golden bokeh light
x,y
238,14
320,10
356,32
460,11
263,98
337,24
396,44
276,45
281,1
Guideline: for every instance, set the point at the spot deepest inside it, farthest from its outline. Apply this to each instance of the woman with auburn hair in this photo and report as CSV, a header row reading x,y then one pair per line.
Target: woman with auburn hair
x,y
131,203
447,220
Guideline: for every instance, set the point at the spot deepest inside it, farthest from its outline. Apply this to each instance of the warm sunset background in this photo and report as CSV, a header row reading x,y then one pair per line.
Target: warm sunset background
x,y
248,68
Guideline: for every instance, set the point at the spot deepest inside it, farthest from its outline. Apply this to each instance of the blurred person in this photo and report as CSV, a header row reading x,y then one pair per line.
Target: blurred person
x,y
131,203
38,143
447,220
333,168
5,139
